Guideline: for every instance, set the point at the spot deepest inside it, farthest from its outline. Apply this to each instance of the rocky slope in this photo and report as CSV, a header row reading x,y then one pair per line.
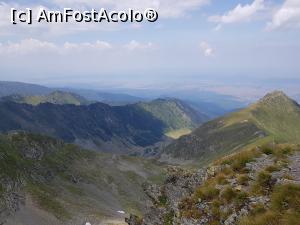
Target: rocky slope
x,y
44,181
254,187
275,116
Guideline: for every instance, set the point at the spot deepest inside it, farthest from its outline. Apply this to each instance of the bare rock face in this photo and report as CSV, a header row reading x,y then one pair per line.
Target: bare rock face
x,y
11,197
133,220
295,168
181,183
258,165
165,199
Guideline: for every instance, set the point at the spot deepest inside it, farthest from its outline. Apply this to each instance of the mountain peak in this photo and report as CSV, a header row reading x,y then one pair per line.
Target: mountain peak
x,y
275,97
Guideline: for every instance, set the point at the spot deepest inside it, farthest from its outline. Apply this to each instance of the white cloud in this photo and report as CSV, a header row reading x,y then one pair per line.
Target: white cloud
x,y
166,8
98,45
40,59
27,46
134,45
240,13
31,46
287,16
207,50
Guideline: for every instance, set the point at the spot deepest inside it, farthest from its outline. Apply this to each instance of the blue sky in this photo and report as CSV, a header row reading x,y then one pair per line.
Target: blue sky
x,y
218,45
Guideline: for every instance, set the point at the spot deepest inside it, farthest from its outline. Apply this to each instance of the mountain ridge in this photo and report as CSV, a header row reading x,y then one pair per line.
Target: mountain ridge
x,y
275,116
55,97
28,89
97,126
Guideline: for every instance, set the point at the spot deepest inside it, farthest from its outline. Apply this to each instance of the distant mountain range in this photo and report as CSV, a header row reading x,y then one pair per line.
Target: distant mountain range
x,y
56,97
24,89
18,88
120,129
274,117
113,99
211,104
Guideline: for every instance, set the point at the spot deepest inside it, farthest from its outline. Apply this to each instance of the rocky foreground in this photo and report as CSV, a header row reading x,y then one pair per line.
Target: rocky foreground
x,y
246,188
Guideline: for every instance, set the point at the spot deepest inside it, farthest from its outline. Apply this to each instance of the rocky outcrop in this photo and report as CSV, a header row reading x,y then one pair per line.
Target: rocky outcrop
x,y
294,167
11,197
224,192
165,199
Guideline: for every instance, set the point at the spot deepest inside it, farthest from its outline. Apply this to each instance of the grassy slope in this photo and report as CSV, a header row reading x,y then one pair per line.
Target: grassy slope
x,y
174,113
276,114
69,182
274,117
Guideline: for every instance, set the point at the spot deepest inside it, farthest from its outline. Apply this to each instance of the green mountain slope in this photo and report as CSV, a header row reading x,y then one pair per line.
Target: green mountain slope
x,y
56,97
279,115
98,126
174,113
275,116
44,181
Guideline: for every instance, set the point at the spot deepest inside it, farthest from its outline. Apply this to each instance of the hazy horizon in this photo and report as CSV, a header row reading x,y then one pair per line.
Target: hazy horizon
x,y
243,48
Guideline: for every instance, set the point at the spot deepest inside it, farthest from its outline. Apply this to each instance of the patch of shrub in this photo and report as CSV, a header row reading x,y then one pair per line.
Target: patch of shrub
x,y
2,189
267,218
240,159
283,152
240,199
268,149
227,171
290,218
188,209
263,183
162,200
272,168
221,179
286,197
228,194
215,209
288,176
242,179
258,209
168,218
264,179
206,192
